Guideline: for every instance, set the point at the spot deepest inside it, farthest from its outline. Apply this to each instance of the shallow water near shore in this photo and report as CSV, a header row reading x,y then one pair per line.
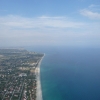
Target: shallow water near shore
x,y
71,74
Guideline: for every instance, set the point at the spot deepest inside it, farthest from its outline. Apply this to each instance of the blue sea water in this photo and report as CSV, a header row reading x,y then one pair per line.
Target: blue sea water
x,y
70,73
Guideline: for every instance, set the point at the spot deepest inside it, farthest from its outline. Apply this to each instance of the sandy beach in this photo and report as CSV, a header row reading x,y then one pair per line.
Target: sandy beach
x,y
39,90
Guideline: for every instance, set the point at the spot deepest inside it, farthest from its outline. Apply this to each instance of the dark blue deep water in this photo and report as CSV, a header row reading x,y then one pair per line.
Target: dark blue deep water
x,y
70,73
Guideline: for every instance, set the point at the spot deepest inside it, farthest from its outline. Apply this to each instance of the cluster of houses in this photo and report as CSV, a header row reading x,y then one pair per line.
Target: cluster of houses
x,y
16,83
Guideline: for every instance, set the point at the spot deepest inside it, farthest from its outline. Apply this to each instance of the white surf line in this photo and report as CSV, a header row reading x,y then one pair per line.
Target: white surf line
x,y
38,90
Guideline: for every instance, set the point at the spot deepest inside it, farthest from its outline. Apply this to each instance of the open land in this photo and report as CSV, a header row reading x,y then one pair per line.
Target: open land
x,y
19,75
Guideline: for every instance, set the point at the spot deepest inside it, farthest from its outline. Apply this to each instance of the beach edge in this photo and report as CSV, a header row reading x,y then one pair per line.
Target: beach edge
x,y
37,72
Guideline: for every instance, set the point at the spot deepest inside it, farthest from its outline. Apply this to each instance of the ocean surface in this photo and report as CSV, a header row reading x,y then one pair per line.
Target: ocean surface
x,y
70,73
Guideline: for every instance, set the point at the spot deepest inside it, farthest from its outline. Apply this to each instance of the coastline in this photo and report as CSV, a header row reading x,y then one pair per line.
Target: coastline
x,y
38,90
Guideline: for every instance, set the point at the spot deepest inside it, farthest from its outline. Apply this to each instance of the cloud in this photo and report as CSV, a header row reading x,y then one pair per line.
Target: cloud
x,y
45,30
58,17
91,12
12,21
94,7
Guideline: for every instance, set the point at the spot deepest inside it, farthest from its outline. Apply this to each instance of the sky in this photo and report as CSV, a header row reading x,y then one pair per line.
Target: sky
x,y
50,22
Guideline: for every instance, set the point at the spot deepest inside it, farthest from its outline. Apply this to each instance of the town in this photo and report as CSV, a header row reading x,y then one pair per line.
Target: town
x,y
17,74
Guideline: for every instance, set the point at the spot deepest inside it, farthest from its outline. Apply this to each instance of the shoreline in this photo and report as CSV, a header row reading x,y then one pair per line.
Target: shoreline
x,y
38,90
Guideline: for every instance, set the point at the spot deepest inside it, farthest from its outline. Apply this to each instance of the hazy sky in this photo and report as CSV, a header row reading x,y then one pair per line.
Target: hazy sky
x,y
49,22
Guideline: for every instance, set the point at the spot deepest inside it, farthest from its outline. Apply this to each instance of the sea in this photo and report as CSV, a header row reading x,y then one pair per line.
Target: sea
x,y
70,73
